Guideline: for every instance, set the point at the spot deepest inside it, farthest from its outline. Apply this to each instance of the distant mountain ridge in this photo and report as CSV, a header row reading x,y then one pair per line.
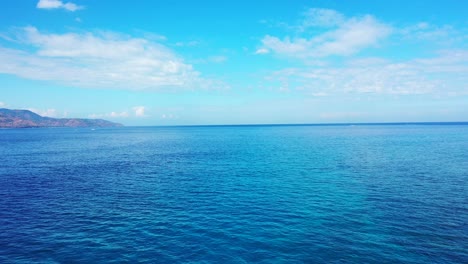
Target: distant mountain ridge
x,y
24,118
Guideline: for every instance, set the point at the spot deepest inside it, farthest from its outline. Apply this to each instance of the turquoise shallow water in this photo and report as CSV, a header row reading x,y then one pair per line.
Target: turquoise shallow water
x,y
235,194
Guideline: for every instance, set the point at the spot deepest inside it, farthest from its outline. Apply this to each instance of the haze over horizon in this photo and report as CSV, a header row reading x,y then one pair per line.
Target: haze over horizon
x,y
205,62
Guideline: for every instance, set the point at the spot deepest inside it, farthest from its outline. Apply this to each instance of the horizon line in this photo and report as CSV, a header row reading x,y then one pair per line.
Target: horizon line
x,y
316,124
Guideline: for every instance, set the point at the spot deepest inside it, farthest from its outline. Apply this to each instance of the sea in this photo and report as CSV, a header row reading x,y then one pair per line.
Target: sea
x,y
362,193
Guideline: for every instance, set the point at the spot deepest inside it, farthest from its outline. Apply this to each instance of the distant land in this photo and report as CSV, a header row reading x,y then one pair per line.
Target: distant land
x,y
26,119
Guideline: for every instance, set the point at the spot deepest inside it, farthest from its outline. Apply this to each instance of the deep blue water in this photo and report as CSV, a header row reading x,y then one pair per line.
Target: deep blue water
x,y
235,194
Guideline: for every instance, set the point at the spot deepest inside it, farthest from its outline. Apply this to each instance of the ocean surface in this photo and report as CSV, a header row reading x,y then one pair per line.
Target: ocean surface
x,y
235,194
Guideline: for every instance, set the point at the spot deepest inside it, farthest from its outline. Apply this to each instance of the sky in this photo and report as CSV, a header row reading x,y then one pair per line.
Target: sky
x,y
174,62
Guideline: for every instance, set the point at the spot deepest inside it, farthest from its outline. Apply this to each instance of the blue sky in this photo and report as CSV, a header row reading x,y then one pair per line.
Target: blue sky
x,y
236,62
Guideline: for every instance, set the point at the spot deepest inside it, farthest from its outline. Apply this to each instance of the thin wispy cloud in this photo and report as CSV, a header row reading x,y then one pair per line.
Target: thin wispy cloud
x,y
441,75
169,116
134,112
47,112
321,17
103,60
212,59
262,51
110,115
426,32
57,4
191,43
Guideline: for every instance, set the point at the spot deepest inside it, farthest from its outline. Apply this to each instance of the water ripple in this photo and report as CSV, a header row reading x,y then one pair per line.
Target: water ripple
x,y
377,194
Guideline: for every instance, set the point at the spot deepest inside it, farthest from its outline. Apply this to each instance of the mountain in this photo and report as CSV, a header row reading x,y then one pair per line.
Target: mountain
x,y
25,118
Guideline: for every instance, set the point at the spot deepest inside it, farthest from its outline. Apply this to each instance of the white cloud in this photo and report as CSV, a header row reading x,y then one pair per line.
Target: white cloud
x,y
47,112
321,17
49,4
444,74
323,33
169,116
2,104
426,32
136,111
217,59
54,4
123,114
262,51
343,37
211,59
116,114
191,43
102,59
139,111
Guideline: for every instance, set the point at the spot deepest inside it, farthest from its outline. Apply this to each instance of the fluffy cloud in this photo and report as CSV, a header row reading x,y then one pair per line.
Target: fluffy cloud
x,y
104,60
54,4
139,111
339,36
2,104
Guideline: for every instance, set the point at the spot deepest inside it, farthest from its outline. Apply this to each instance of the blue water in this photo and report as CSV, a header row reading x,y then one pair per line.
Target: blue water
x,y
235,194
